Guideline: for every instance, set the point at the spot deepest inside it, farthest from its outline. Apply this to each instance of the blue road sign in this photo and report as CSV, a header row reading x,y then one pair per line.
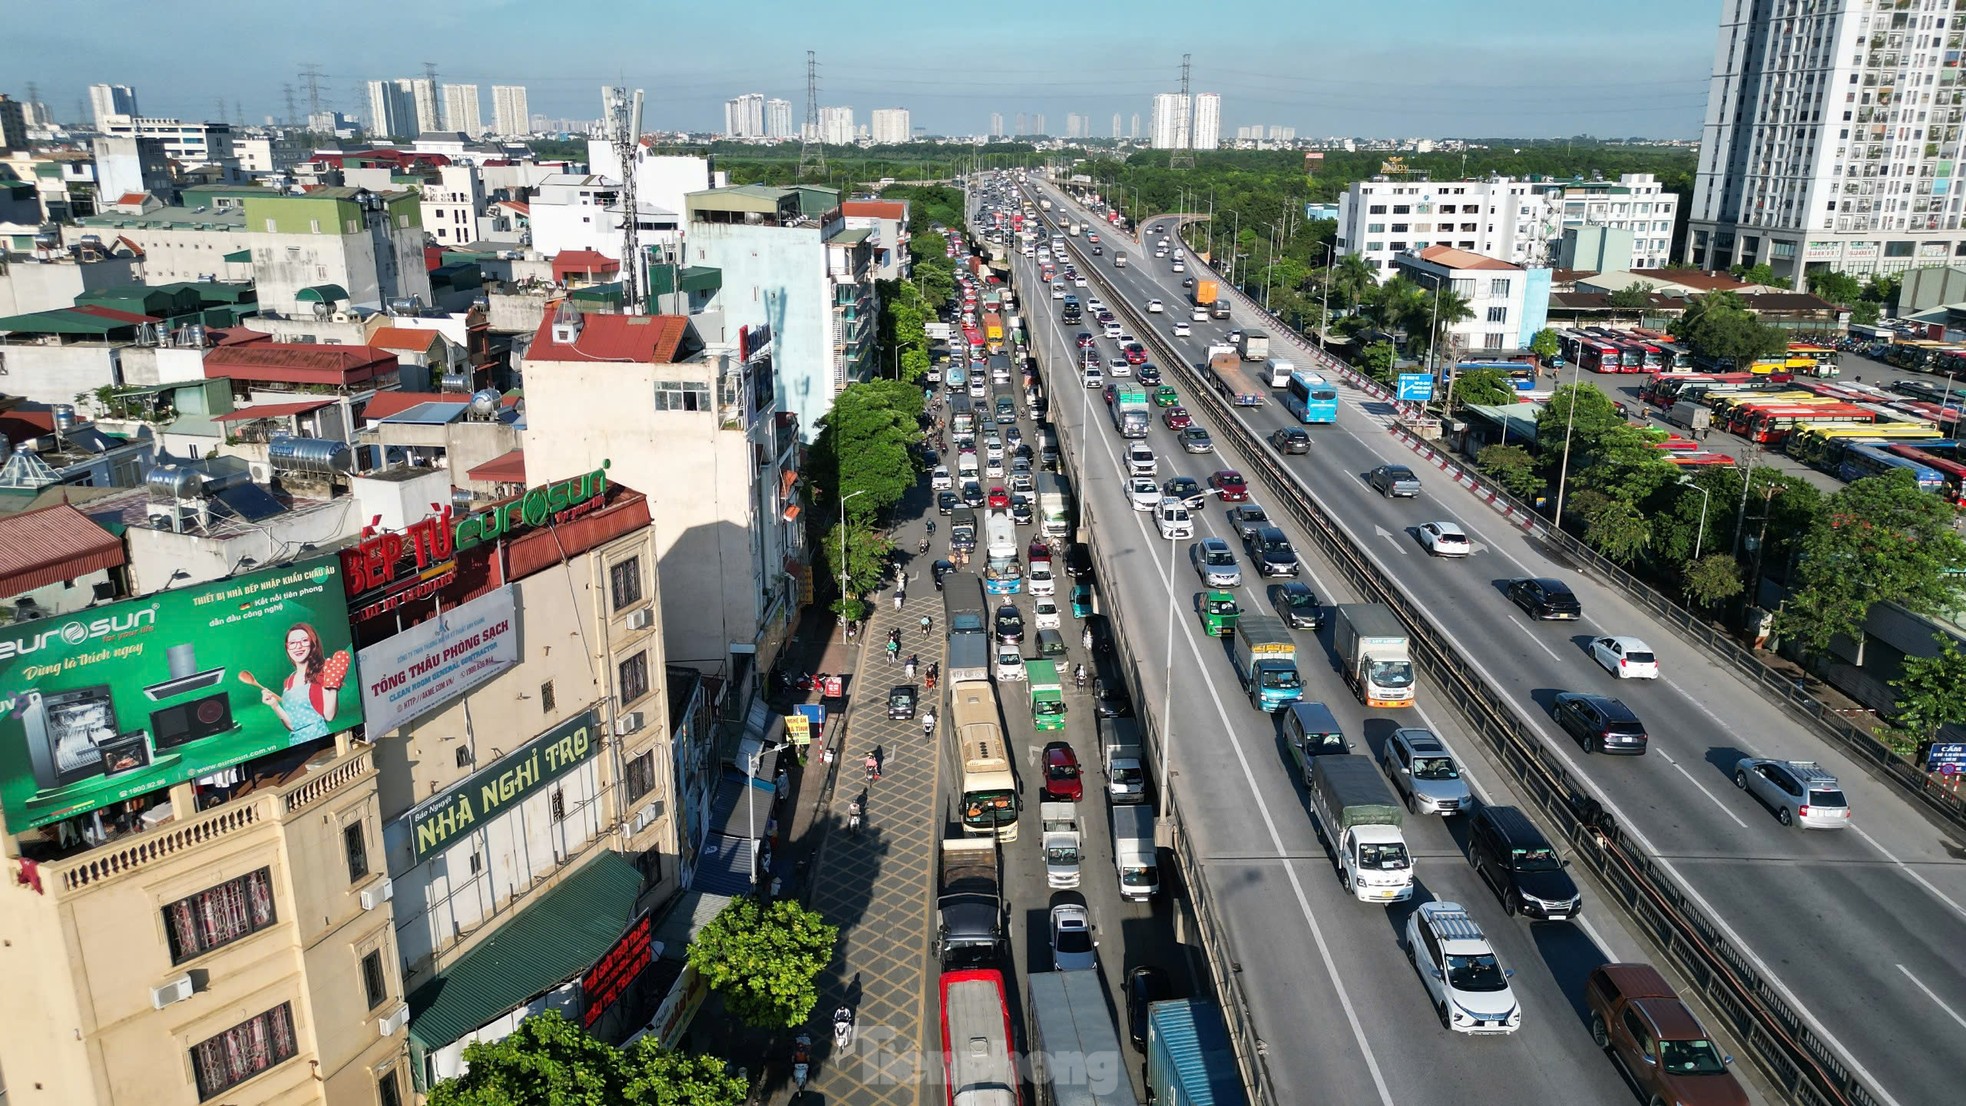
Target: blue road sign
x,y
1415,387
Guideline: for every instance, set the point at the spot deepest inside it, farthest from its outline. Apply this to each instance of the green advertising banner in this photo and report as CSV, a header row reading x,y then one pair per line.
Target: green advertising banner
x,y
500,787
112,702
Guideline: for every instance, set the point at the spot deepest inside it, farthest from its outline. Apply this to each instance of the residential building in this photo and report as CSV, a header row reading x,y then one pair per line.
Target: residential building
x,y
1507,303
13,124
583,212
1205,131
334,123
461,110
1520,221
645,396
56,276
188,143
126,165
1170,121
450,206
888,220
1116,126
1825,146
790,250
278,152
744,116
510,116
346,245
996,125
106,100
891,126
778,119
1283,134
1022,127
1133,130
1037,124
404,107
836,126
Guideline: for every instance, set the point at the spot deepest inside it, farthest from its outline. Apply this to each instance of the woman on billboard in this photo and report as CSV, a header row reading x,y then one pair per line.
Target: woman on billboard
x,y
307,700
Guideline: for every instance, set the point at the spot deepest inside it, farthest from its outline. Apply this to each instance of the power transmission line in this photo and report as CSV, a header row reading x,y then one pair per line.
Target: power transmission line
x,y
1183,156
310,75
812,144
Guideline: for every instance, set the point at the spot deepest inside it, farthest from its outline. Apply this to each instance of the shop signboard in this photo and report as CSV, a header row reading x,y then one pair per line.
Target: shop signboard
x,y
385,570
434,662
609,980
538,506
115,701
503,785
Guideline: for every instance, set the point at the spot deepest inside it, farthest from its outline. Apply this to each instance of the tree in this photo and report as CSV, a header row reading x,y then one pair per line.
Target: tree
x,y
1713,579
1445,307
1618,531
550,1060
1932,692
867,552
1483,388
1377,361
1838,288
1717,327
1352,280
764,959
1882,540
1632,297
1759,274
1545,345
1512,467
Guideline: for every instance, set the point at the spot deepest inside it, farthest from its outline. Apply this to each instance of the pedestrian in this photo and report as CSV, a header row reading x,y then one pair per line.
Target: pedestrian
x,y
928,625
908,669
873,768
900,597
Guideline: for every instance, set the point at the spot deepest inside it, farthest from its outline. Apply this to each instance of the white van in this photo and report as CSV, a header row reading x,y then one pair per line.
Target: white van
x,y
1140,460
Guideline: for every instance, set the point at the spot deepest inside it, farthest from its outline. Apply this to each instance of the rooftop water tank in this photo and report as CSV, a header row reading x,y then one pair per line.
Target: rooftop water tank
x,y
485,403
174,482
318,456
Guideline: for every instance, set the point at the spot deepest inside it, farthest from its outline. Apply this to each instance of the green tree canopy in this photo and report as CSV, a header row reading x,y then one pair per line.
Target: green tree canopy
x,y
1483,388
764,960
1545,345
1883,539
1512,467
1932,692
1632,297
550,1061
1717,326
1714,578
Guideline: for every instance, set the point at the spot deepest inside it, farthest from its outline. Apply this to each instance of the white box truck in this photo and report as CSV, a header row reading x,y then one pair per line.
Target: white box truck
x,y
1133,852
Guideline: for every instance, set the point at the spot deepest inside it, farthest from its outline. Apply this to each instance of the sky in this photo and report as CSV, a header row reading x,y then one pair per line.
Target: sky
x,y
1380,69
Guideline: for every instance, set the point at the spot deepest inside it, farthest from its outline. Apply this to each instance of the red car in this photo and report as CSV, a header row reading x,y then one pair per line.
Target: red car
x,y
1111,391
1062,782
1230,486
1085,340
999,499
1135,353
1177,418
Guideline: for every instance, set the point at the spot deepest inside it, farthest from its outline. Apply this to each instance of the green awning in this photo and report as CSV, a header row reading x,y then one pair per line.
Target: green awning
x,y
321,293
239,257
609,294
552,940
695,278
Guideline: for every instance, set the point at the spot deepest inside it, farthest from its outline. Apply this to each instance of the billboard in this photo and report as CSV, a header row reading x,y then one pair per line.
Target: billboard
x,y
432,663
437,822
114,701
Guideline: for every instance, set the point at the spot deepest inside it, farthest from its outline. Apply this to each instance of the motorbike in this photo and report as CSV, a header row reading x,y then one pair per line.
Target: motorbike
x,y
842,1030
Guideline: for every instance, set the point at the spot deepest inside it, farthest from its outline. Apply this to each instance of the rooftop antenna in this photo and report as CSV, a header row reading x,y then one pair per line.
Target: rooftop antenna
x,y
1183,156
812,147
624,131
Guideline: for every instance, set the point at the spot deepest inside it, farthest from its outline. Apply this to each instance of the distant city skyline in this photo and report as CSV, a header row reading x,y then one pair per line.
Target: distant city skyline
x,y
1646,77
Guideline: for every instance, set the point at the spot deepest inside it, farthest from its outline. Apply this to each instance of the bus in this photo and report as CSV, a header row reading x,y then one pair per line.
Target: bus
x,y
1664,391
1520,374
1003,574
978,1065
1770,425
1599,356
1821,359
1631,356
1823,445
1916,354
962,416
989,787
1862,460
1310,397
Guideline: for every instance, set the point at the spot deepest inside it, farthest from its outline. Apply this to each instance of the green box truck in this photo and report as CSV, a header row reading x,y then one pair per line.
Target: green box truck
x,y
1047,695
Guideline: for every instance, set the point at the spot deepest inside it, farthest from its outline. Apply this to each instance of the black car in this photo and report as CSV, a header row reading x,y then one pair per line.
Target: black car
x,y
1010,625
1297,605
1187,282
1544,598
1021,513
1145,985
1507,850
1185,489
1603,724
1109,699
1290,439
901,701
940,569
1148,375
972,494
946,501
1271,552
1078,562
1248,518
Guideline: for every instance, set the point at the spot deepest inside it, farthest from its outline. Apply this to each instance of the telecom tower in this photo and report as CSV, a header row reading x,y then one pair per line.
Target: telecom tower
x,y
812,147
624,131
1184,158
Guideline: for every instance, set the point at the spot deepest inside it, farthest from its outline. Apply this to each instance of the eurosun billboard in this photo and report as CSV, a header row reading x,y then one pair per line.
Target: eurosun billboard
x,y
115,701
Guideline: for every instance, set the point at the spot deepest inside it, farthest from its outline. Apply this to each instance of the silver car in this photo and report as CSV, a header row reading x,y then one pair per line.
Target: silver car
x,y
1072,945
1425,774
1796,790
1215,563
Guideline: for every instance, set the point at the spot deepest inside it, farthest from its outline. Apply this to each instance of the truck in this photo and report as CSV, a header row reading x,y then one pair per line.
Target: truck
x,y
1044,205
1237,385
969,658
1062,843
1048,457
1119,260
1359,821
1692,416
1054,495
969,904
962,529
1047,695
993,331
1131,414
1126,774
1205,294
1255,345
1073,228
1071,1042
1133,852
1641,1022
1372,649
1266,661
1189,1057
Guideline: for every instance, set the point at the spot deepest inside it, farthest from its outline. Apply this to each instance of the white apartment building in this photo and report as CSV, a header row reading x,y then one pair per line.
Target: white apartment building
x,y
1170,130
450,208
461,110
406,106
1832,139
1206,128
891,126
836,126
187,143
744,116
106,100
510,115
1518,221
1507,303
996,124
778,119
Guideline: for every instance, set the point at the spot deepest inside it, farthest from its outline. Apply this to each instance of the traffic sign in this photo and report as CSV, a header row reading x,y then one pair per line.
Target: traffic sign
x,y
1948,758
1415,387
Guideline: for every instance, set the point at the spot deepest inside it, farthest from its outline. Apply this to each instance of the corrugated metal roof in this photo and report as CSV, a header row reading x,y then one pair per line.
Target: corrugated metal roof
x,y
506,468
38,548
434,413
723,867
393,402
552,940
1191,1032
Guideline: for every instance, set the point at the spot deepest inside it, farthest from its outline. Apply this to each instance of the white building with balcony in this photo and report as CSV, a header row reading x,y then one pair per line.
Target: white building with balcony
x,y
1507,304
1519,221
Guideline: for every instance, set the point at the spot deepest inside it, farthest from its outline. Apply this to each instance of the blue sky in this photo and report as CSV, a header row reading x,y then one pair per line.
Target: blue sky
x,y
1381,68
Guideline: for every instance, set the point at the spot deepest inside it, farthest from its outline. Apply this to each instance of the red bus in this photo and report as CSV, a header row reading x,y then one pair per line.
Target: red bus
x,y
1663,390
1695,460
1771,424
1598,356
976,1041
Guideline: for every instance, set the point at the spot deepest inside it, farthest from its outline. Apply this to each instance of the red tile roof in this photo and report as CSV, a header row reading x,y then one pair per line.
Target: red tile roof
x,y
403,337
114,315
43,547
583,262
644,339
1462,259
877,209
1693,278
295,363
24,426
515,205
272,410
394,402
132,246
132,198
506,468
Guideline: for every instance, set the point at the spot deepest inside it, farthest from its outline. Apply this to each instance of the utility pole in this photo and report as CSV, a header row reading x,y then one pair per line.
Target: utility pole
x,y
1183,156
812,145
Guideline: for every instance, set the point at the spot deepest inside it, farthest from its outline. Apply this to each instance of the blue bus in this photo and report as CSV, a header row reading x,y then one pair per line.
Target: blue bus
x,y
1860,461
1311,397
1522,374
957,374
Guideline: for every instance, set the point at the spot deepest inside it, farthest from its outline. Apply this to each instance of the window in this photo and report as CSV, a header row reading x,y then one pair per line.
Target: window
x,y
558,805
1375,228
1498,314
1375,209
1498,287
243,1051
634,678
639,775
387,1093
682,395
625,582
357,847
464,756
197,924
1496,340
375,985
546,699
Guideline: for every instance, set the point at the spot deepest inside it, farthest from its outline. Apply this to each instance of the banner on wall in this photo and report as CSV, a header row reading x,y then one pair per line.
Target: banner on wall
x,y
431,664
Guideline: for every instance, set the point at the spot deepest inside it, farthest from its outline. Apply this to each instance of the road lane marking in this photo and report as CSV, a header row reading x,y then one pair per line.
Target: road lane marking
x,y
1907,870
1681,769
1936,1001
1533,636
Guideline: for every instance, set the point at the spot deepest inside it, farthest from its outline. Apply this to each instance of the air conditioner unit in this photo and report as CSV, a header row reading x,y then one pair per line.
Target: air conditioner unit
x,y
397,1019
377,894
646,817
641,619
173,990
628,723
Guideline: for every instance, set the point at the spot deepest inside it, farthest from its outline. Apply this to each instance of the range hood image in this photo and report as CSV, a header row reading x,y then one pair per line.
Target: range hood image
x,y
185,677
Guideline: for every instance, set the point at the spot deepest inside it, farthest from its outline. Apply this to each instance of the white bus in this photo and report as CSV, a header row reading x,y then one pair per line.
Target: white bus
x,y
989,795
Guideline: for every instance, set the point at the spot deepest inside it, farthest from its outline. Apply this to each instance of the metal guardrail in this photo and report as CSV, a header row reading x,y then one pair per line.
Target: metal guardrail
x,y
1774,1036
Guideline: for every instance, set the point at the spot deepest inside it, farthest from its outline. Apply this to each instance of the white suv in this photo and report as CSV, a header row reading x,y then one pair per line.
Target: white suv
x,y
1173,519
1468,986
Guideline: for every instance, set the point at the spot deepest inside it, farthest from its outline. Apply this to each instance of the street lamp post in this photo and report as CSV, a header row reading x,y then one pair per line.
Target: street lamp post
x,y
1569,424
1324,299
843,572
1706,500
1269,269
1235,242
